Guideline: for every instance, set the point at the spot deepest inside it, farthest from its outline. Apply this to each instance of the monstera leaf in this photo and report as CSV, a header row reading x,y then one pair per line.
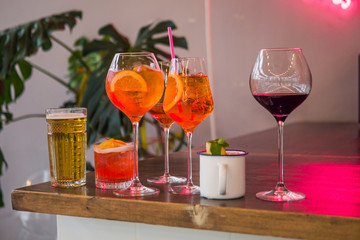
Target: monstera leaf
x,y
20,42
148,37
16,44
23,41
103,118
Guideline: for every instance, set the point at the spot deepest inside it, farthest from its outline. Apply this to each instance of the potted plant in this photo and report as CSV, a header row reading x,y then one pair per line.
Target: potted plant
x,y
88,64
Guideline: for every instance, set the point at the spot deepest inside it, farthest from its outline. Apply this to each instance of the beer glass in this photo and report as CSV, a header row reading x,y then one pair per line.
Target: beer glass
x,y
67,146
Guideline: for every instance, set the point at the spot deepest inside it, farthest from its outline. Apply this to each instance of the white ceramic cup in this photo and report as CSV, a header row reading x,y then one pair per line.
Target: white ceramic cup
x,y
222,176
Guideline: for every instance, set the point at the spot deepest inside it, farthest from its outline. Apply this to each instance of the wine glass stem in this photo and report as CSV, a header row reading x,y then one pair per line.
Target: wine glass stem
x,y
166,132
189,138
280,151
136,147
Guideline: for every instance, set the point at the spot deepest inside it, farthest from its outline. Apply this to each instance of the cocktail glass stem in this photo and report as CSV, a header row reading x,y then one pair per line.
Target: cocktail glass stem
x,y
166,133
280,193
166,177
280,152
136,180
189,188
136,189
189,138
280,186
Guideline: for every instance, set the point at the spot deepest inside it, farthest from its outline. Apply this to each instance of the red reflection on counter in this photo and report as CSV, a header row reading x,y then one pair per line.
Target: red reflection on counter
x,y
327,185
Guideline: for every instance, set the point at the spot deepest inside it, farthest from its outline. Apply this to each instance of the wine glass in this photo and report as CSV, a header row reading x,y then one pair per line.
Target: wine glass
x,y
280,81
166,122
188,101
134,84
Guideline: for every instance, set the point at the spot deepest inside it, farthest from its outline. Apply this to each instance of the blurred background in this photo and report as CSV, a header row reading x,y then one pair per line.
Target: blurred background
x,y
228,33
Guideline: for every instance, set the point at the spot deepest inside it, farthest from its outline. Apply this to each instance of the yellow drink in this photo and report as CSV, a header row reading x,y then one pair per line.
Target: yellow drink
x,y
67,147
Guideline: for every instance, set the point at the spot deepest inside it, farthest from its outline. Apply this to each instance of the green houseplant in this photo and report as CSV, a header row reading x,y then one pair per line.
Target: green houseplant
x,y
88,64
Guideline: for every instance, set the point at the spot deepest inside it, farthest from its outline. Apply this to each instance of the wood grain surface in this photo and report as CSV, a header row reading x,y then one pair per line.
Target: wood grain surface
x,y
321,160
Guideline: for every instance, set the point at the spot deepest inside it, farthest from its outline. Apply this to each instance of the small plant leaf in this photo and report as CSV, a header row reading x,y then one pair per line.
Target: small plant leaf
x,y
1,199
25,69
110,30
3,163
16,83
216,147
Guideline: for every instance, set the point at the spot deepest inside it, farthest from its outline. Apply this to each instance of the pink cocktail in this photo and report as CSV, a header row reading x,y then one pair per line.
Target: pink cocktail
x,y
114,165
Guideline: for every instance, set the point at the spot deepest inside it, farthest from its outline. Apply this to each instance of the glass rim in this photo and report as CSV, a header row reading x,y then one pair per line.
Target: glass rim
x,y
128,146
181,58
101,141
242,153
134,53
282,49
64,108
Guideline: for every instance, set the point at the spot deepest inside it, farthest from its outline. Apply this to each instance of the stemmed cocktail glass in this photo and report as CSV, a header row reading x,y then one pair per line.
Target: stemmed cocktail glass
x,y
166,122
134,84
280,81
188,101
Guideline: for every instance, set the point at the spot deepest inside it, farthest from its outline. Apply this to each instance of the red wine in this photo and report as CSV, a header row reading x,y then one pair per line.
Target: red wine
x,y
280,105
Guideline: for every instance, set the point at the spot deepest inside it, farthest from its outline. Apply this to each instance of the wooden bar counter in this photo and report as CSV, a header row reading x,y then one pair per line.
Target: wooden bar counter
x,y
321,160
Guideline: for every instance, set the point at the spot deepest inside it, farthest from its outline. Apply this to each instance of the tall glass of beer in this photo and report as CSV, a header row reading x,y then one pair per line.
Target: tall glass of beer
x,y
66,129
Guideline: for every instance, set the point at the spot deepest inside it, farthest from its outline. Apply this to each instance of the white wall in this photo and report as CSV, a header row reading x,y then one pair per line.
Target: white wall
x,y
329,37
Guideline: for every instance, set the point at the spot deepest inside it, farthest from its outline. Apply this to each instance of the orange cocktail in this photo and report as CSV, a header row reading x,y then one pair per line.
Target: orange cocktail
x,y
114,164
160,115
188,99
166,122
135,91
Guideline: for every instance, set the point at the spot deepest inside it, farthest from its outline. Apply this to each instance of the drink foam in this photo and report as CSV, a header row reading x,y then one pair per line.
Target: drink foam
x,y
65,115
124,148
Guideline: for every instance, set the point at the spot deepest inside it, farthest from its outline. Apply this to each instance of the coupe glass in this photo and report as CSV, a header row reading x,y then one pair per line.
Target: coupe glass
x,y
134,84
166,122
188,101
280,81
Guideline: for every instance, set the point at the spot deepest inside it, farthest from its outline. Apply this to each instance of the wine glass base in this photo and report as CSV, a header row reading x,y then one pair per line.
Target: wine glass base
x,y
136,191
167,179
185,190
280,194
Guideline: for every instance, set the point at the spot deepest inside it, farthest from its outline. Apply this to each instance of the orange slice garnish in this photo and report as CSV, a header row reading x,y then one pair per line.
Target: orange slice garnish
x,y
128,80
173,92
111,143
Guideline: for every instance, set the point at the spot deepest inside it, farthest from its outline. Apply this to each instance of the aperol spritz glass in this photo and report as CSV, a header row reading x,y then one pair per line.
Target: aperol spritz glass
x,y
188,101
166,122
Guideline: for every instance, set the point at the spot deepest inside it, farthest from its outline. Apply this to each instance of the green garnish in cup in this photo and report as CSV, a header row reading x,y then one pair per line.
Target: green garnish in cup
x,y
216,147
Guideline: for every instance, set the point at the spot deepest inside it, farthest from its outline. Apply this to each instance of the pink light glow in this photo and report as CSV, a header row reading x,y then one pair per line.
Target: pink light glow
x,y
343,3
343,8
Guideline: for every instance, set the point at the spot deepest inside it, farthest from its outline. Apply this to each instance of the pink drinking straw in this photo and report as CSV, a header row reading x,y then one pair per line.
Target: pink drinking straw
x,y
171,43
